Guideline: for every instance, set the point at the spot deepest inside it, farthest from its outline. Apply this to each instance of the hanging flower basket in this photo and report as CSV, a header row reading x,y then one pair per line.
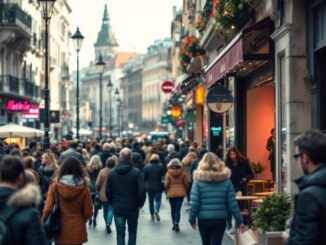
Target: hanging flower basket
x,y
201,24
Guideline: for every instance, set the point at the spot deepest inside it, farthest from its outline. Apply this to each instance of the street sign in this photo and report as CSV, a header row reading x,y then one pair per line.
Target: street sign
x,y
54,116
219,99
165,119
167,87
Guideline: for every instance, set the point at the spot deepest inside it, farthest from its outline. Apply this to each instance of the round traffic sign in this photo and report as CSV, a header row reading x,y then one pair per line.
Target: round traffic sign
x,y
219,99
167,87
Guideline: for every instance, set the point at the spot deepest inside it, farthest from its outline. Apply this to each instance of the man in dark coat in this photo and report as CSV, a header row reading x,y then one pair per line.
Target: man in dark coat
x,y
24,221
309,222
136,148
125,192
105,154
72,152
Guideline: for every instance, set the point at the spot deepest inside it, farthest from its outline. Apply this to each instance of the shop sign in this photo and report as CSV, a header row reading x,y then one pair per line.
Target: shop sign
x,y
33,112
175,111
167,87
54,116
13,105
200,95
219,99
190,117
165,120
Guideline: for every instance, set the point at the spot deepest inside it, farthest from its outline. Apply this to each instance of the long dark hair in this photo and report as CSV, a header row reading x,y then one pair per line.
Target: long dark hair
x,y
237,152
72,166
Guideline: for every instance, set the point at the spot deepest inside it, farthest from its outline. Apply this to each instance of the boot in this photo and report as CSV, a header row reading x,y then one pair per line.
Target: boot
x,y
94,223
90,221
157,216
108,229
177,229
173,227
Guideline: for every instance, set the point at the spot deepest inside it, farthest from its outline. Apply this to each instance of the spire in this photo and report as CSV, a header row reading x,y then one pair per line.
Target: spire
x,y
106,18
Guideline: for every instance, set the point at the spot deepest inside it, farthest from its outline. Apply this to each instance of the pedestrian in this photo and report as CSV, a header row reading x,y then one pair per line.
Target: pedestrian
x,y
200,154
153,176
93,169
125,192
240,168
176,184
20,203
270,146
308,226
100,186
72,152
105,154
28,163
171,153
187,163
212,197
74,200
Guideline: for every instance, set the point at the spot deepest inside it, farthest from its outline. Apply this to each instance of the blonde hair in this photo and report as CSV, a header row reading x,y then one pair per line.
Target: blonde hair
x,y
211,162
154,157
189,158
52,161
94,164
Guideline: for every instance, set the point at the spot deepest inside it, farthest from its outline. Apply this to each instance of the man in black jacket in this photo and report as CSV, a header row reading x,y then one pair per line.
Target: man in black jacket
x,y
24,221
125,192
309,222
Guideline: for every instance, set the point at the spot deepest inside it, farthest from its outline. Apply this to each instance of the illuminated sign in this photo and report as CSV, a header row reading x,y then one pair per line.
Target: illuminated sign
x,y
33,112
175,111
13,105
200,95
216,131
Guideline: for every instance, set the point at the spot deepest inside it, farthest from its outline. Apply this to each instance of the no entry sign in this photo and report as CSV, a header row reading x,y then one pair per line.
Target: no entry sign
x,y
167,87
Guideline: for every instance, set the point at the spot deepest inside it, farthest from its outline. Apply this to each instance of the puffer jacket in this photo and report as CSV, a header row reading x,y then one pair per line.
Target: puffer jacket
x,y
153,176
176,182
212,196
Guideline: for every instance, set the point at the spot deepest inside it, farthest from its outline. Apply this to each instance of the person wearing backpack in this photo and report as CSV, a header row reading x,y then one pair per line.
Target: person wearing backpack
x,y
20,220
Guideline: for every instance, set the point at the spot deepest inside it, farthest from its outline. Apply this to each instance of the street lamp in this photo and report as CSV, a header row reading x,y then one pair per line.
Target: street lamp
x,y
109,86
117,93
77,39
100,64
47,10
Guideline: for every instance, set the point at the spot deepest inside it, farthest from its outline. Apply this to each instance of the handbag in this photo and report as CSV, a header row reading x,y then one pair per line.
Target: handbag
x,y
97,202
52,225
245,238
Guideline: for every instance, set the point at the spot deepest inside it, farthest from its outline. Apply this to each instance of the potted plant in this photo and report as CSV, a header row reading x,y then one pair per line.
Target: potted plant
x,y
257,167
270,218
189,48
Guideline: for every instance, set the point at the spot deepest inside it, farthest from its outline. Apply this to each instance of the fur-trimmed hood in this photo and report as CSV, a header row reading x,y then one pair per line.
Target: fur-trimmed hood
x,y
175,163
29,195
212,175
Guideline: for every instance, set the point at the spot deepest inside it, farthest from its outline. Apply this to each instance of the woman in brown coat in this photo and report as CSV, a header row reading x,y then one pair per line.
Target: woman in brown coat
x,y
74,201
176,184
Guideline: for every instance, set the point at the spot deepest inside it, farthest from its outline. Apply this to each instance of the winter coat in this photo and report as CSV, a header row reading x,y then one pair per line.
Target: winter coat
x,y
176,182
104,155
125,188
168,158
212,196
309,222
71,153
138,161
25,224
153,176
46,174
93,178
140,151
101,183
75,207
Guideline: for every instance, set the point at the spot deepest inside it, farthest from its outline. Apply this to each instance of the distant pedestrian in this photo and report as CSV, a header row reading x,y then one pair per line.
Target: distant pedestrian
x,y
187,163
28,163
20,203
309,223
72,152
125,192
212,197
74,200
105,154
176,184
153,176
93,168
100,186
270,146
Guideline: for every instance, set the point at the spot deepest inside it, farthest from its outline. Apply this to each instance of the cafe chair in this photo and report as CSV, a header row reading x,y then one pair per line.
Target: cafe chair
x,y
245,207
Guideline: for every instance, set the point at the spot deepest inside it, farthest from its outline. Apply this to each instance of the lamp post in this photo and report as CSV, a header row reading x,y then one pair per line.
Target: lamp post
x,y
100,64
109,88
77,40
47,9
117,93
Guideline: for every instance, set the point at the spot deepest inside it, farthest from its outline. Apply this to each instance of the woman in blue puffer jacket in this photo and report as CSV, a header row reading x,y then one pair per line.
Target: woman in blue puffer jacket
x,y
212,197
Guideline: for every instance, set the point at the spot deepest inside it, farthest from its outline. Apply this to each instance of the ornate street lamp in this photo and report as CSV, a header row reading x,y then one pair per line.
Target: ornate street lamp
x,y
47,10
77,39
109,87
100,64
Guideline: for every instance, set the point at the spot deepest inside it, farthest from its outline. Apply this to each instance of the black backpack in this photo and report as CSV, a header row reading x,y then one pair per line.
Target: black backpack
x,y
5,216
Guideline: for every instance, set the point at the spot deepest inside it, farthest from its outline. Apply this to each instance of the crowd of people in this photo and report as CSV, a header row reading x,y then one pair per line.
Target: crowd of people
x,y
116,175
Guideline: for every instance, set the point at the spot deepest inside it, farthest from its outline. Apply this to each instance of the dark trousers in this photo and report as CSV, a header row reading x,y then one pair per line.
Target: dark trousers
x,y
154,200
94,207
211,231
176,203
120,224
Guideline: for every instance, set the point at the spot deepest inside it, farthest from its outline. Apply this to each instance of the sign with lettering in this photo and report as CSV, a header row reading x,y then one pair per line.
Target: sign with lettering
x,y
33,112
14,105
219,99
167,87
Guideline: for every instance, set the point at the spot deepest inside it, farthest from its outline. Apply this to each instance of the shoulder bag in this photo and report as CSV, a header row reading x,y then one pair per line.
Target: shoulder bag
x,y
52,224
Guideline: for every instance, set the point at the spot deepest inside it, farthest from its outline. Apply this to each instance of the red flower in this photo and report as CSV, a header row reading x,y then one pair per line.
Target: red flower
x,y
213,15
190,55
216,4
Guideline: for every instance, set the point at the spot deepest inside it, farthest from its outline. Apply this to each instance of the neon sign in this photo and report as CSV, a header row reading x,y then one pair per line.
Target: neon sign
x,y
13,105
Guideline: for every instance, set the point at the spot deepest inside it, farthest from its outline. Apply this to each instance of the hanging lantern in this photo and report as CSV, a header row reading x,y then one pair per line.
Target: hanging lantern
x,y
200,92
175,111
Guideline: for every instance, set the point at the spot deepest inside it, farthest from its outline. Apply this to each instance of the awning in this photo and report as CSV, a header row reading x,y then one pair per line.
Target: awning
x,y
243,47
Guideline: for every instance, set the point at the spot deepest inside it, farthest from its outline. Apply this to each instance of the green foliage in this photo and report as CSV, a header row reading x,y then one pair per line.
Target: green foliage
x,y
189,48
272,214
201,23
257,167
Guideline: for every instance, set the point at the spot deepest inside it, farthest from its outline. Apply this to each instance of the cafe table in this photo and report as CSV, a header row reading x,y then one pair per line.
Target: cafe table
x,y
263,194
246,198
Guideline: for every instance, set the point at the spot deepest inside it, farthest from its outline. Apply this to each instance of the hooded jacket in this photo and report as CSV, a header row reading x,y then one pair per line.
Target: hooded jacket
x,y
309,222
212,196
125,188
25,225
75,206
176,182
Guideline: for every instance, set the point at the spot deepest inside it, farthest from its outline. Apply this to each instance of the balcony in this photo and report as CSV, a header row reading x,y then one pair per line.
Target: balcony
x,y
16,26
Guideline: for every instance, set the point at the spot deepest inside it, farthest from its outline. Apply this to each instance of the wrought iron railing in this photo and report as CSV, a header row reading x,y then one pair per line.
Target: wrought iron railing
x,y
13,14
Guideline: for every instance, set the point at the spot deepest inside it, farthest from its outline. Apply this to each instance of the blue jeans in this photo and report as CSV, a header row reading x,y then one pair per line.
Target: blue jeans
x,y
154,196
120,225
176,203
211,230
107,213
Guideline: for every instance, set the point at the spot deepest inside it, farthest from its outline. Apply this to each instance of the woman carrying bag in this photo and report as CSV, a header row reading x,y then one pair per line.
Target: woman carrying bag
x,y
74,201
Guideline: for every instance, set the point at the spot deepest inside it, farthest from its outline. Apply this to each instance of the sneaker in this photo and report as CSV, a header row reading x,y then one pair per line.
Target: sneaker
x,y
108,229
177,229
152,217
157,216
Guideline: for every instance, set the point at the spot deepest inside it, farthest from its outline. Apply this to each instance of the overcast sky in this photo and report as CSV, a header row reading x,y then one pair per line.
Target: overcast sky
x,y
136,23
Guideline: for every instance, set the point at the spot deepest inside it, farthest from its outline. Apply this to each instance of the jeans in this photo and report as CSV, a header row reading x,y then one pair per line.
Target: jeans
x,y
175,203
154,196
95,209
107,213
120,225
211,231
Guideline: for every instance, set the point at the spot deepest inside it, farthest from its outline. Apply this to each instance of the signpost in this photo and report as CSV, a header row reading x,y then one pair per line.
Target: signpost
x,y
167,87
219,99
